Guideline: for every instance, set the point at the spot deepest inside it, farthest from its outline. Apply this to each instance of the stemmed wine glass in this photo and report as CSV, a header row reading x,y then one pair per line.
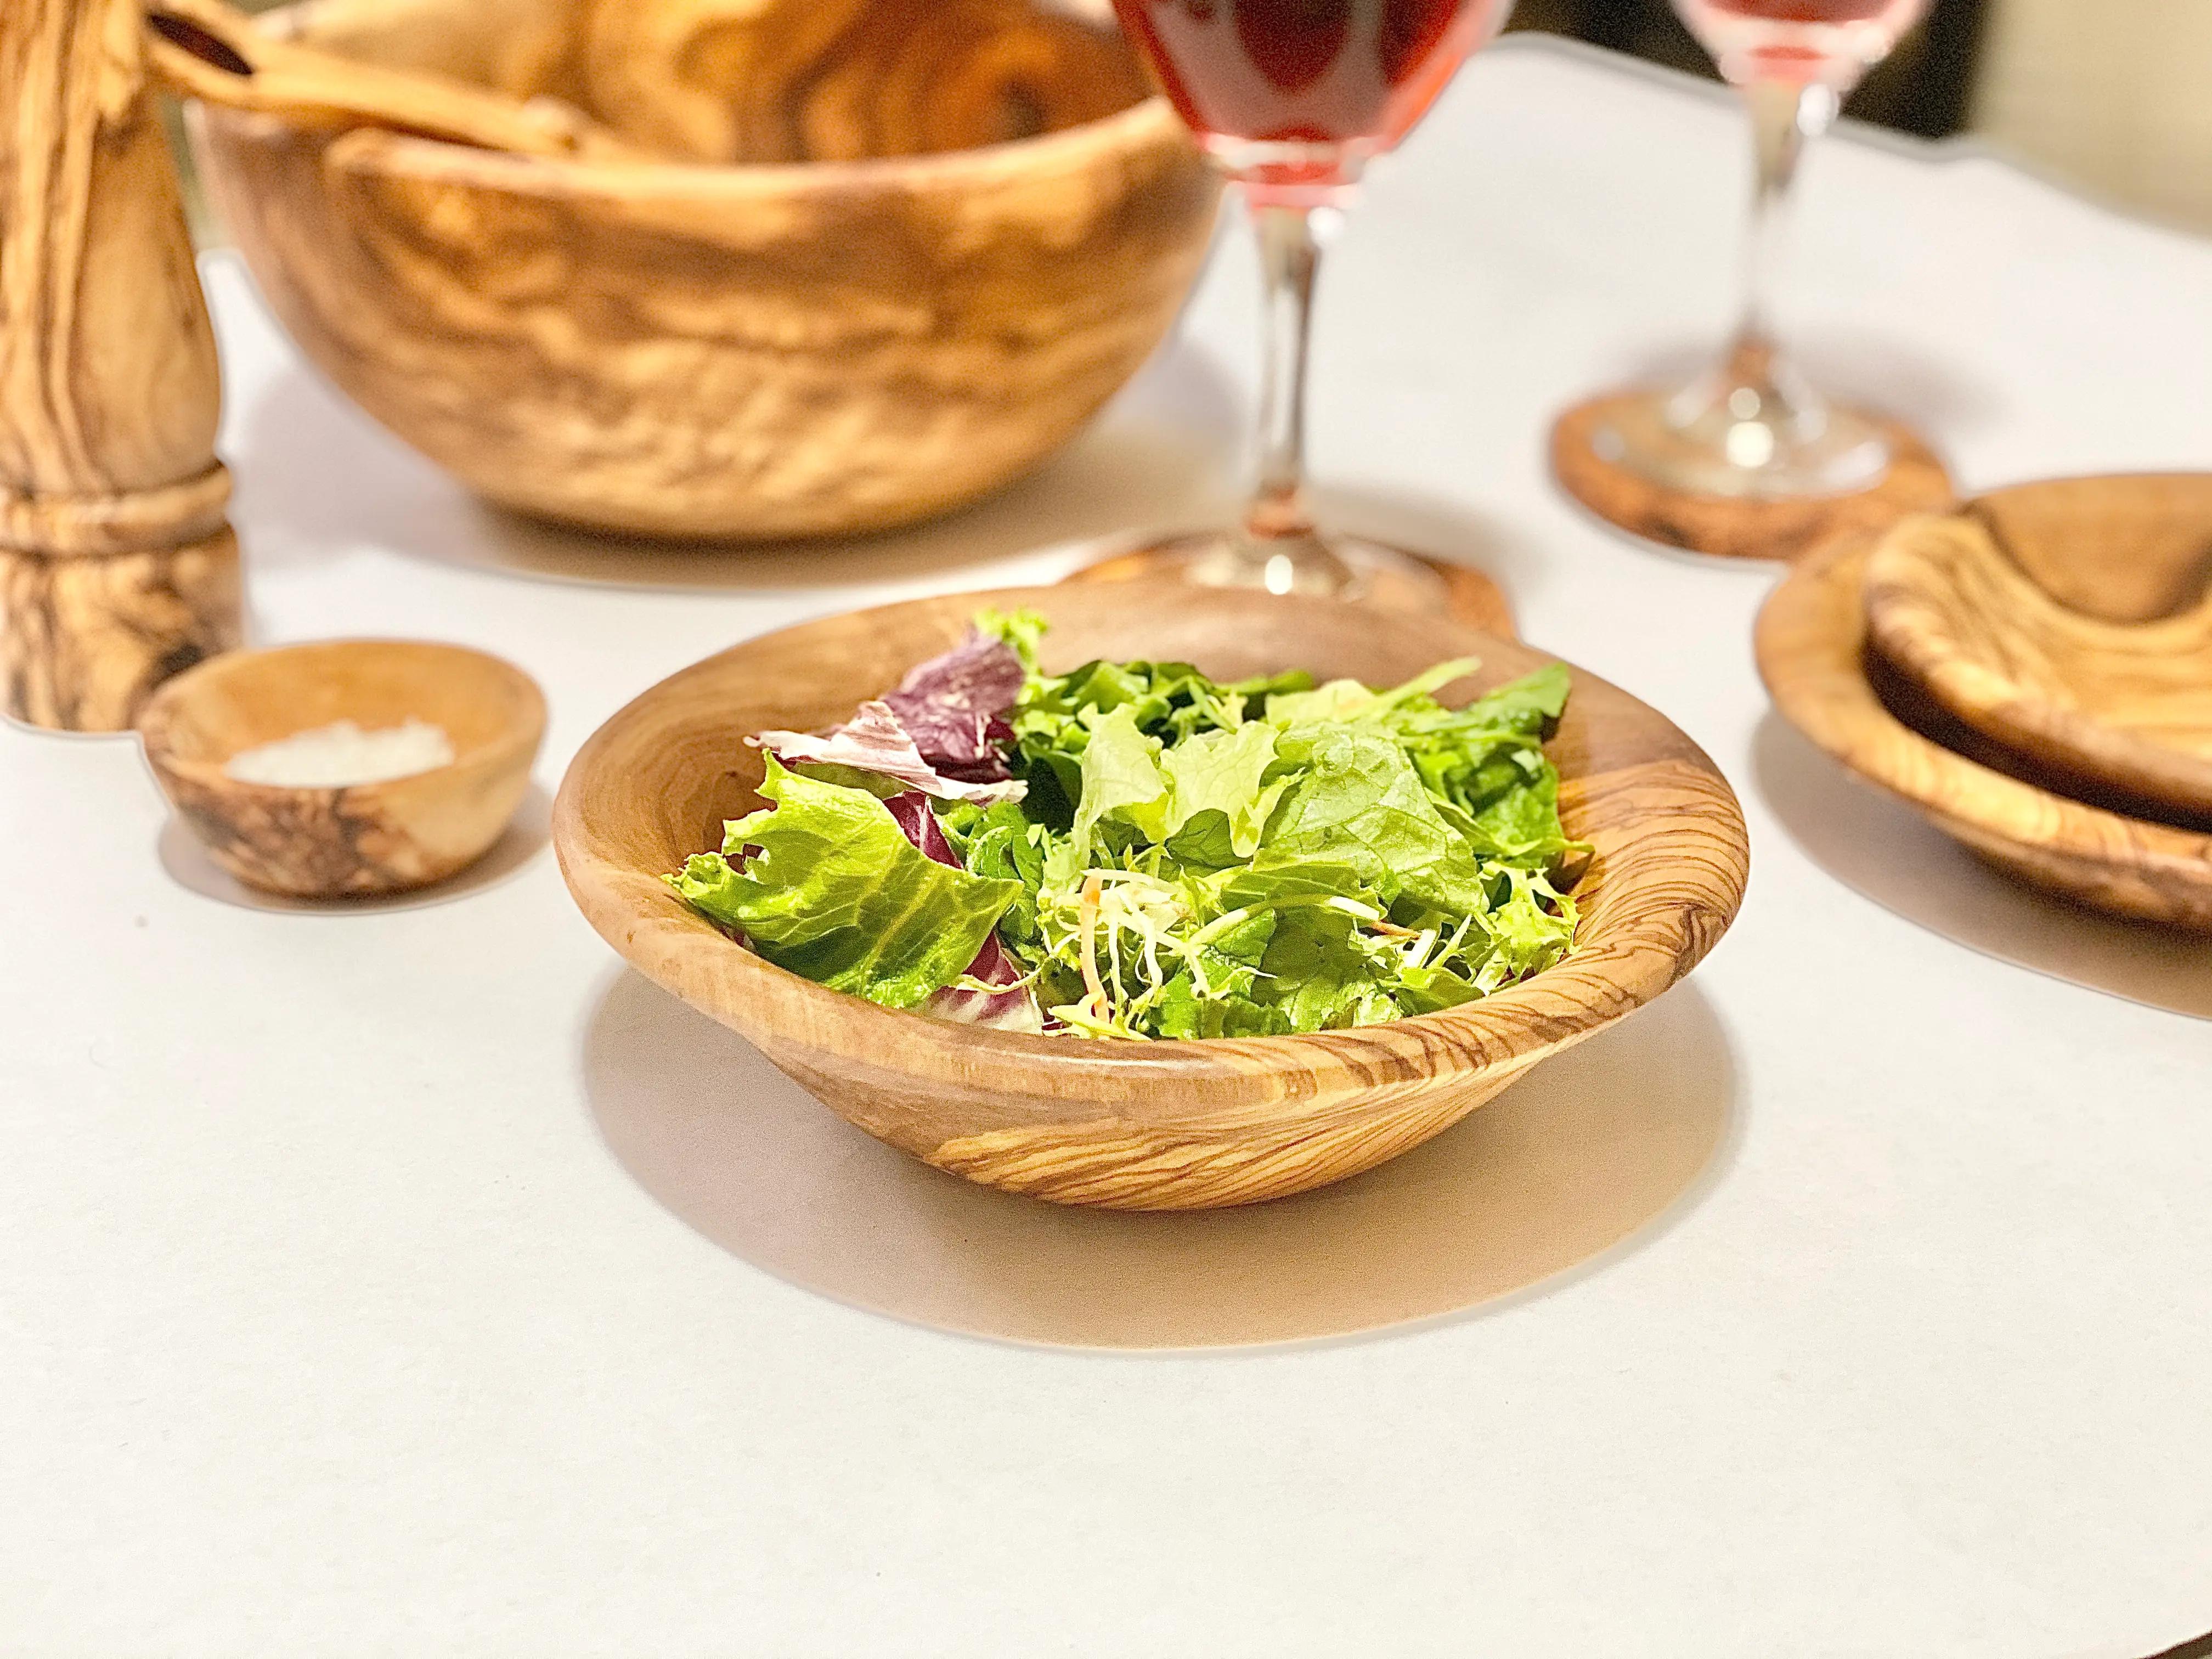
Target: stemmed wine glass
x,y
1750,427
1292,99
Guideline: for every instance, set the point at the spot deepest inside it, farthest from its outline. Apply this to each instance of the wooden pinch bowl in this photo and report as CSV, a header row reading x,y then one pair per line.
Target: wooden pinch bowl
x,y
883,258
1813,655
2070,623
1130,1125
362,839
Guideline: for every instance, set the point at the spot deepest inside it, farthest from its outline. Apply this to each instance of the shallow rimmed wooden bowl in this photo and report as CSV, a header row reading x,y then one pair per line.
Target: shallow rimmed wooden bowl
x,y
1813,653
366,838
1167,1125
814,318
2070,620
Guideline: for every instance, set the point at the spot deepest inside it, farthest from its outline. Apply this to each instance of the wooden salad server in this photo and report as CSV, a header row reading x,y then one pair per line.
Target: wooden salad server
x,y
210,50
117,566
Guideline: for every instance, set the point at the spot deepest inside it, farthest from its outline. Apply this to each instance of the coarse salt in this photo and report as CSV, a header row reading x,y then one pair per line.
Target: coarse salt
x,y
342,754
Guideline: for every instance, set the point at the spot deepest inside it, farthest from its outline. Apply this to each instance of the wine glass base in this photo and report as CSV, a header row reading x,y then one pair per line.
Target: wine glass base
x,y
1716,455
1376,573
1588,462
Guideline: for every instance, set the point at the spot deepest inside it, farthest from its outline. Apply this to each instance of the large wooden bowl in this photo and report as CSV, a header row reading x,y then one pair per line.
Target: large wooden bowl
x,y
898,253
1163,1125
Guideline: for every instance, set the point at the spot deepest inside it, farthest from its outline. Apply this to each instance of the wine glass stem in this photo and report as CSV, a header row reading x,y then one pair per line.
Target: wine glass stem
x,y
1291,236
1785,116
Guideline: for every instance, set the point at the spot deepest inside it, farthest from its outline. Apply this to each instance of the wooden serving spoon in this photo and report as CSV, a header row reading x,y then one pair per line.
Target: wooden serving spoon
x,y
2069,623
208,49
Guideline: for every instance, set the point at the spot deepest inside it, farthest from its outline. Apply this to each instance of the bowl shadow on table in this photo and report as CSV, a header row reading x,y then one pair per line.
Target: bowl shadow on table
x,y
187,862
1885,851
1587,1159
1164,451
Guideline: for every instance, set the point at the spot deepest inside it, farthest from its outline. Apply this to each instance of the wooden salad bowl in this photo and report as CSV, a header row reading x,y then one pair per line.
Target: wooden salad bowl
x,y
1814,657
882,256
2070,622
364,839
1133,1125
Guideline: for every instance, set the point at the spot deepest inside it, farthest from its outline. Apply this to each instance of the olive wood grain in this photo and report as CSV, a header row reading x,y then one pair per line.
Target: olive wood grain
x,y
759,80
2122,705
116,567
1130,1125
367,838
210,50
1813,653
727,351
1728,526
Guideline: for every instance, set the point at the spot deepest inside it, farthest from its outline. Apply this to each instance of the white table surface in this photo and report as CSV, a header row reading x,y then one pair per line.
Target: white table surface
x,y
328,1324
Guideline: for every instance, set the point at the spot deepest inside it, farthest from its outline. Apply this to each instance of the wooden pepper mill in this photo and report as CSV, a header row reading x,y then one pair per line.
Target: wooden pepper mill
x,y
117,566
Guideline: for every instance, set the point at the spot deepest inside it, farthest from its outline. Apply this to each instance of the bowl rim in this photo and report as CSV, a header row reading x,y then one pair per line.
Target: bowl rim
x,y
1914,607
1628,960
155,722
1812,635
1143,124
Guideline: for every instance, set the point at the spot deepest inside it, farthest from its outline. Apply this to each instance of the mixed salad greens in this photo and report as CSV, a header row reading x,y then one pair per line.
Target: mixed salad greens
x,y
1132,850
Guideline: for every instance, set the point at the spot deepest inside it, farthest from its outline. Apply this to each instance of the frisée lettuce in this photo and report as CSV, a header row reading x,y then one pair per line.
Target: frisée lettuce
x,y
1134,850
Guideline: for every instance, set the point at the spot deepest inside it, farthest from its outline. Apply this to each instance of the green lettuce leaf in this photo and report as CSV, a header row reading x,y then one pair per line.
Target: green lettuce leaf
x,y
834,891
1361,803
1218,774
1120,773
1531,704
999,843
1191,859
1348,700
1023,629
1320,974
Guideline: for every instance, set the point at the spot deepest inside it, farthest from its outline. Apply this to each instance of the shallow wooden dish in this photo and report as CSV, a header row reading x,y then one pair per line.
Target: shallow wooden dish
x,y
2071,621
840,303
1142,1126
367,838
1813,653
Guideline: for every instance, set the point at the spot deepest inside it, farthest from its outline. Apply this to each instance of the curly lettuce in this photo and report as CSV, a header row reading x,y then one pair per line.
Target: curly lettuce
x,y
1184,858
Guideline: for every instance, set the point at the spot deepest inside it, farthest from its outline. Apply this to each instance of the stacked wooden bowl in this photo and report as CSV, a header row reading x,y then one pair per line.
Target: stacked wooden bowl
x,y
2033,671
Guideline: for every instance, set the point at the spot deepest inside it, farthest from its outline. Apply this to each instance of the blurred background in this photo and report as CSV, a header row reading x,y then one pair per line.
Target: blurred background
x,y
2110,97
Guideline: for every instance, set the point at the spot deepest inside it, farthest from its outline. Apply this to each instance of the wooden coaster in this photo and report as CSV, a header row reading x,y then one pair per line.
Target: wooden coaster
x,y
1471,597
1724,526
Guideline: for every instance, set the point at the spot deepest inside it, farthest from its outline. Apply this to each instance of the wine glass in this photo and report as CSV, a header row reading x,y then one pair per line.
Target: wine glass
x,y
1750,427
1292,99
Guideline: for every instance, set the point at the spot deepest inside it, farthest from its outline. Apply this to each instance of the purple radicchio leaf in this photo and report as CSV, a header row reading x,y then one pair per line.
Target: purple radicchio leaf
x,y
876,741
954,706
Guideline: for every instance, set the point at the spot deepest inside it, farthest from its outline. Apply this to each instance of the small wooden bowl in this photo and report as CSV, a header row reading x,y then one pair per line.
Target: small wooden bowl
x,y
1170,1125
2070,622
840,304
1813,653
365,838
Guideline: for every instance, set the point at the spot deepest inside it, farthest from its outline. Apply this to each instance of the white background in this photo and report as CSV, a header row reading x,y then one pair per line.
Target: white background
x,y
328,1325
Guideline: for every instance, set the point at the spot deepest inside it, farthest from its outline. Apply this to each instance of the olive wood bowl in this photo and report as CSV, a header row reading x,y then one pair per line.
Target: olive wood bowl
x,y
2070,623
1825,680
366,838
1130,1125
885,258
